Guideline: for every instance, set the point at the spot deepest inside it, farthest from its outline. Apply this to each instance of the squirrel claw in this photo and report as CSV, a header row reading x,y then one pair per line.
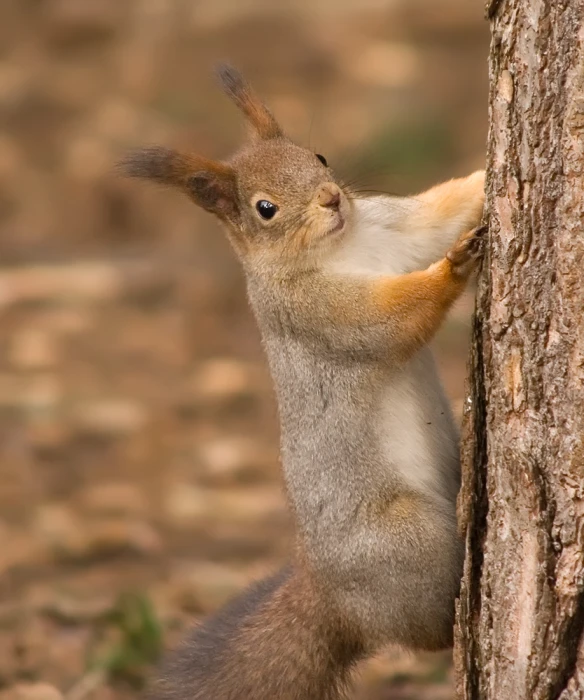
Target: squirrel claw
x,y
467,250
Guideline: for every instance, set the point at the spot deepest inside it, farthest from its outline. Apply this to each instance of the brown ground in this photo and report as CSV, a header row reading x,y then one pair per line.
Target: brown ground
x,y
138,449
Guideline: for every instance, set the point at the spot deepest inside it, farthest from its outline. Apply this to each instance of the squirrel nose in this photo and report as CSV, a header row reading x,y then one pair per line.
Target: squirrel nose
x,y
329,196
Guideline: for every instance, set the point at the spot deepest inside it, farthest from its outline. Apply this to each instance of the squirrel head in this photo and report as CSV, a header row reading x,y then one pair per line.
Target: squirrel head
x,y
280,202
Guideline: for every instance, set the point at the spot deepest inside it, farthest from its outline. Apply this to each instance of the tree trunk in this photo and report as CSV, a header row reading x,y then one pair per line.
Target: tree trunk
x,y
520,632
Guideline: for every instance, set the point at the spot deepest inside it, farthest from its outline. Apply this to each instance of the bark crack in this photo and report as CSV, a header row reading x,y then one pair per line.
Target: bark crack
x,y
573,635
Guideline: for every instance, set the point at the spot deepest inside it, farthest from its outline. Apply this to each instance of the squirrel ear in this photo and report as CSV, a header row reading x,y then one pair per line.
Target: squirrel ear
x,y
258,115
215,193
209,183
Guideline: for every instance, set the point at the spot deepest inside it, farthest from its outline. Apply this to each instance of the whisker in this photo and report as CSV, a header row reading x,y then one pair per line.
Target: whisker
x,y
296,225
357,192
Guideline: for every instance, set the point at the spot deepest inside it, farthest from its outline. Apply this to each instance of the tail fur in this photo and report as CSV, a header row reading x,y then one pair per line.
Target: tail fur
x,y
276,641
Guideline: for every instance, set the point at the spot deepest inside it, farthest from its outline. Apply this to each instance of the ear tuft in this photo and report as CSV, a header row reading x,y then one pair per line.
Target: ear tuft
x,y
157,163
232,81
258,115
169,167
209,183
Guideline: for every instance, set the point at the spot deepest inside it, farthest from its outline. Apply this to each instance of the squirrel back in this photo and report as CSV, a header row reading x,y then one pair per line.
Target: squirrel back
x,y
347,291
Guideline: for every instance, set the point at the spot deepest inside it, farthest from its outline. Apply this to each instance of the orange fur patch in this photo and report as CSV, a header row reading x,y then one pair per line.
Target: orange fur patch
x,y
461,197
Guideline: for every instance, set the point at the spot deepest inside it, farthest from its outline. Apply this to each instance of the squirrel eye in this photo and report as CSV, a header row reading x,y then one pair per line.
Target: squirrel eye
x,y
266,209
322,159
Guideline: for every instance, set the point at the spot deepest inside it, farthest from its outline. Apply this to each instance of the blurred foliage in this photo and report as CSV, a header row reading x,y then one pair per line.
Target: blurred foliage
x,y
404,154
138,645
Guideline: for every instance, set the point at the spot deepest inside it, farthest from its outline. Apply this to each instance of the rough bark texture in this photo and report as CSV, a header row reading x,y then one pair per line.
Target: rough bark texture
x,y
520,634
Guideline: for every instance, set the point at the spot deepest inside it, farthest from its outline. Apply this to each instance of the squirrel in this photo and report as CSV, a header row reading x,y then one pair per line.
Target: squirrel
x,y
347,290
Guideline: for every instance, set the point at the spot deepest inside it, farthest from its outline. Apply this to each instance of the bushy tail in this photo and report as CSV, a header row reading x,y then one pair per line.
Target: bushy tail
x,y
276,641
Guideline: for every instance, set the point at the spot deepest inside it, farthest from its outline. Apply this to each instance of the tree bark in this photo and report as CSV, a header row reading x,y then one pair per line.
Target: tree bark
x,y
520,630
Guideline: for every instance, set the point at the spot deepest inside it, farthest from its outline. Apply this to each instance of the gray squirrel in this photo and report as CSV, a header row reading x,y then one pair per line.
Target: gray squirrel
x,y
347,291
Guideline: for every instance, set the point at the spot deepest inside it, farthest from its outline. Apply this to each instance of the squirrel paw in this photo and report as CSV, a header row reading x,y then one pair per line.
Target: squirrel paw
x,y
467,251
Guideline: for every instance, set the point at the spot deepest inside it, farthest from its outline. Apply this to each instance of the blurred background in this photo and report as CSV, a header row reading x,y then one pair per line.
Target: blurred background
x,y
139,482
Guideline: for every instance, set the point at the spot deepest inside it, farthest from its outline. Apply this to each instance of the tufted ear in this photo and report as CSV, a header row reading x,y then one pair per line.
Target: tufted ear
x,y
210,184
258,115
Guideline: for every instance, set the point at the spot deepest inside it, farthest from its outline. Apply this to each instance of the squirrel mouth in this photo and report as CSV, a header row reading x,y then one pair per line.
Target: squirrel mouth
x,y
338,226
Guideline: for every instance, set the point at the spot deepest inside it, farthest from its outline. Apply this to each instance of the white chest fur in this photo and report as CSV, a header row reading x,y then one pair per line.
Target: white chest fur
x,y
391,236
416,431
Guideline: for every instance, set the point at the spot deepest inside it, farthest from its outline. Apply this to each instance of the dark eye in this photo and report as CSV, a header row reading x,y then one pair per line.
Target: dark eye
x,y
266,209
322,159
